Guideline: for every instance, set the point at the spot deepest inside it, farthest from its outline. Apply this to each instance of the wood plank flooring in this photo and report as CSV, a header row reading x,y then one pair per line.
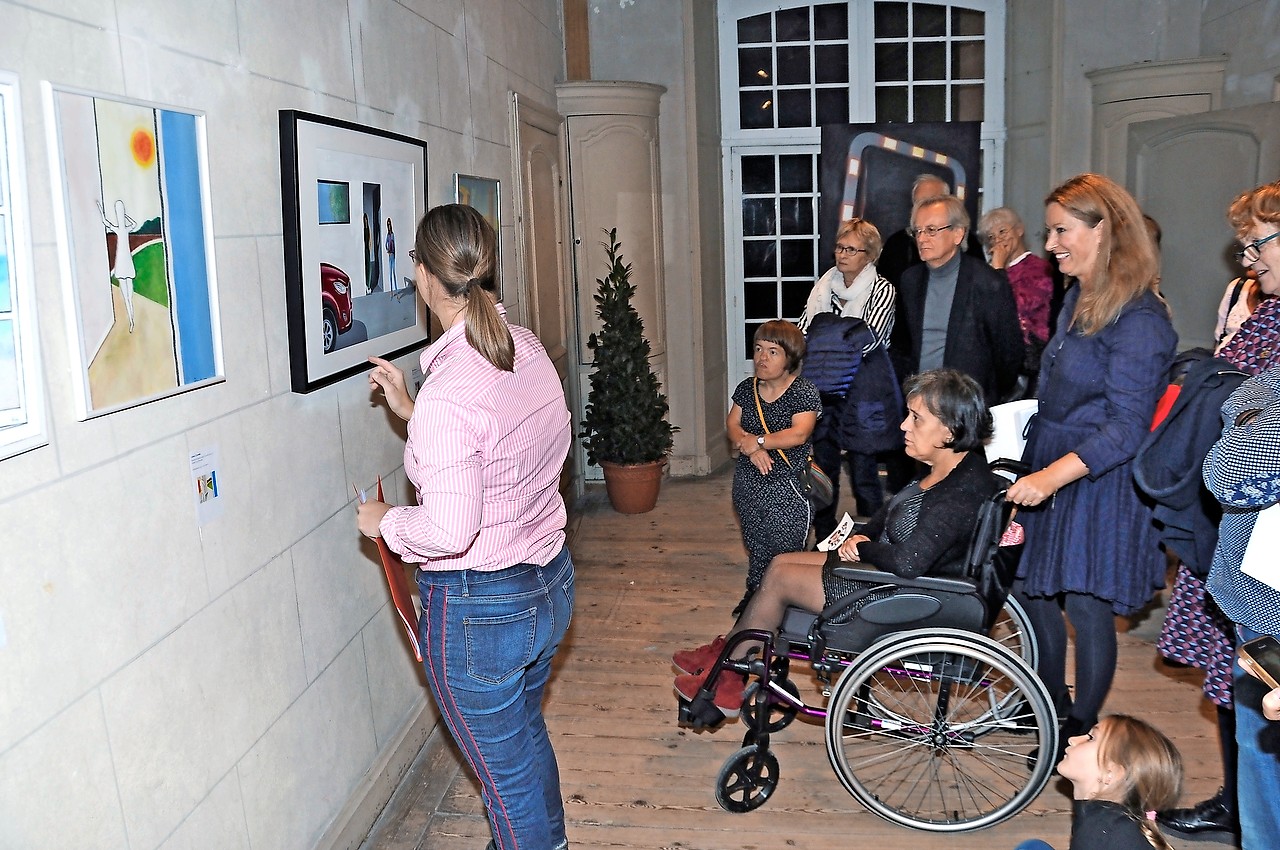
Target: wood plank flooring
x,y
653,583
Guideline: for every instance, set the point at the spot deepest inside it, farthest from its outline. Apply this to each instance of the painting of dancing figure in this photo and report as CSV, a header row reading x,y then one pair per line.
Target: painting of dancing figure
x,y
137,249
122,267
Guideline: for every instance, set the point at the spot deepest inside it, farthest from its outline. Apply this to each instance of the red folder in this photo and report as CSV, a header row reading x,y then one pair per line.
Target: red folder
x,y
401,594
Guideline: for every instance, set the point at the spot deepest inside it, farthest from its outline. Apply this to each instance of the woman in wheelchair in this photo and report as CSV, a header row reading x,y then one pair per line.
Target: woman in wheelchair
x,y
923,530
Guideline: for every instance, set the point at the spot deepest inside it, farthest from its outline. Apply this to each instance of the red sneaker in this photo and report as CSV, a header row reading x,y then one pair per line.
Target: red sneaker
x,y
729,688
698,660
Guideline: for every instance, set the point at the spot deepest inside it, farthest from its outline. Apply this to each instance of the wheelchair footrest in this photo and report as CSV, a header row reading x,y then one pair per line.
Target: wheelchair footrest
x,y
699,713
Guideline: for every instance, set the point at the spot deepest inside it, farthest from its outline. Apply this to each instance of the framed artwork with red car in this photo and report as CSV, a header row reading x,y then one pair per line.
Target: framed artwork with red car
x,y
351,198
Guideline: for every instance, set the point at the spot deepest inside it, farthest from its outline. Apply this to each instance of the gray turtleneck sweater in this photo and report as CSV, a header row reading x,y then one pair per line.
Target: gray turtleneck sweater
x,y
937,312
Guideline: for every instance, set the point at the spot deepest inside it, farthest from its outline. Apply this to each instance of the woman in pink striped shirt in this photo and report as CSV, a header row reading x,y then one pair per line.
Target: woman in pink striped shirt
x,y
487,438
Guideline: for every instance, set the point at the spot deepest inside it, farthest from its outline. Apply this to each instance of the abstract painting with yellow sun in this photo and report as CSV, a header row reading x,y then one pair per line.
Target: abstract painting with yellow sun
x,y
138,249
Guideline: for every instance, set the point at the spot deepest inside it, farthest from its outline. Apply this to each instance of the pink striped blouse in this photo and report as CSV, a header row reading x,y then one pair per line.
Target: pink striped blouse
x,y
484,453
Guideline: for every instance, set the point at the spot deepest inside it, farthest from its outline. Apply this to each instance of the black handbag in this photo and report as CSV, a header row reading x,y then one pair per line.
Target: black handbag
x,y
815,484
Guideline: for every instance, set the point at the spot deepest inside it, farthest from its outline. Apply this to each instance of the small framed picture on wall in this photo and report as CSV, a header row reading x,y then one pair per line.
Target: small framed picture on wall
x,y
482,193
22,422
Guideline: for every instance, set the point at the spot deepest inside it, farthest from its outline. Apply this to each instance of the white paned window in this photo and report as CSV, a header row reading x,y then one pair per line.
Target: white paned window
x,y
21,401
788,69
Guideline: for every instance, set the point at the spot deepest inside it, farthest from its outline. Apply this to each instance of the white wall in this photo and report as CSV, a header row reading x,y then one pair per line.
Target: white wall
x,y
672,43
230,686
1049,100
1029,111
1246,30
1053,45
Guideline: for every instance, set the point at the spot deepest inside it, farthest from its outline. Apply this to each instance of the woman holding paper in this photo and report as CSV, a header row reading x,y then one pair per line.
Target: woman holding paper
x,y
1242,471
487,438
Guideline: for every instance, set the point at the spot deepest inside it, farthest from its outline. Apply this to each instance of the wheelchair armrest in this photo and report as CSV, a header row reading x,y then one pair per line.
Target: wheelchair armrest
x,y
817,641
838,608
948,585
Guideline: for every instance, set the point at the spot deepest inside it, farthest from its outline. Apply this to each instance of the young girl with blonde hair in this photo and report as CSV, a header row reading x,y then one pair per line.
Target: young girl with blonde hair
x,y
1121,772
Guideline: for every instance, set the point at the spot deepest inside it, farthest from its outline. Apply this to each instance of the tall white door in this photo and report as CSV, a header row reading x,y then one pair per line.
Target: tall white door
x,y
615,182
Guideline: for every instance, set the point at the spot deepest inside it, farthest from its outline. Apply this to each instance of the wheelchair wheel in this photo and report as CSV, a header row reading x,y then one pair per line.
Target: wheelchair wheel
x,y
780,713
920,731
747,779
1013,631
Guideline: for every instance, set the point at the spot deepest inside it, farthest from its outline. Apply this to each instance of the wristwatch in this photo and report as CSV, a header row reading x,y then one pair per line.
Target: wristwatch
x,y
760,441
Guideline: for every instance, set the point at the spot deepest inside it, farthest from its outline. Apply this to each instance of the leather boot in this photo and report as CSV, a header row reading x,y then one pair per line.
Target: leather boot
x,y
1216,814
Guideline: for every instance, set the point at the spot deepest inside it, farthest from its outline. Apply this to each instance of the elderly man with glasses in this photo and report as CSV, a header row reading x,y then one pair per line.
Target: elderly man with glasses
x,y
899,252
954,310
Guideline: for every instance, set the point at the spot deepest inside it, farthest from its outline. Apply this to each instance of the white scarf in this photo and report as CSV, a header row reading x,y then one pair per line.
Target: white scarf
x,y
854,295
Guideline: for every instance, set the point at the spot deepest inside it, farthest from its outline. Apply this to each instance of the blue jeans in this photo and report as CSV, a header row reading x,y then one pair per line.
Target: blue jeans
x,y
1258,773
488,640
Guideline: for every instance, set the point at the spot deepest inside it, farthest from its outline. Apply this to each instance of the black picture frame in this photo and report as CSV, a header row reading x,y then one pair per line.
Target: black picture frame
x,y
889,157
346,296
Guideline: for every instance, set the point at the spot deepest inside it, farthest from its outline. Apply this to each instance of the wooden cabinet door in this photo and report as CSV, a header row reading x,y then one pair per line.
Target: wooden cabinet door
x,y
542,278
1185,171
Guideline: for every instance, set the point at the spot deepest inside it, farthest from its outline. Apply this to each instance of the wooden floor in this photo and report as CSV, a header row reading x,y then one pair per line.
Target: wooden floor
x,y
653,583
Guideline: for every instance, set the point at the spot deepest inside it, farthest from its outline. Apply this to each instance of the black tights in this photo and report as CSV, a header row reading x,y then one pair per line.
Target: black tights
x,y
1095,629
1227,738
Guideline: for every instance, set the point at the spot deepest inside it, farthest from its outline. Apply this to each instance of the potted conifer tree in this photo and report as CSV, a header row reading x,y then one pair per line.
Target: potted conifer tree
x,y
625,428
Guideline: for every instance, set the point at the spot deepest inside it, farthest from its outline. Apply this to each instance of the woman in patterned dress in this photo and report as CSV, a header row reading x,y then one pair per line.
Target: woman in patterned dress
x,y
775,515
1195,632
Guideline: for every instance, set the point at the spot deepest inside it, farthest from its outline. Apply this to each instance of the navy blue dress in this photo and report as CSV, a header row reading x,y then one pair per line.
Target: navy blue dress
x,y
1097,396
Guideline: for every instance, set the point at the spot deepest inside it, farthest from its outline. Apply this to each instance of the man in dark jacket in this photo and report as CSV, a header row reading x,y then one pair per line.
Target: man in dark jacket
x,y
900,252
953,311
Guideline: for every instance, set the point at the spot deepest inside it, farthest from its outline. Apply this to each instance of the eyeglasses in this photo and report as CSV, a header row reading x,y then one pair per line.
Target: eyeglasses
x,y
993,235
849,249
413,256
930,231
1253,250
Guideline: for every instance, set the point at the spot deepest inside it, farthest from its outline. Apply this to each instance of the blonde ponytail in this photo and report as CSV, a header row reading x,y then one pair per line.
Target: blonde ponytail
x,y
487,332
1154,836
457,245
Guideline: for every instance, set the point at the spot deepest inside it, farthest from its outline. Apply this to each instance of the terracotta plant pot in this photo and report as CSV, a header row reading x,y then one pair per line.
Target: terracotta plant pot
x,y
633,488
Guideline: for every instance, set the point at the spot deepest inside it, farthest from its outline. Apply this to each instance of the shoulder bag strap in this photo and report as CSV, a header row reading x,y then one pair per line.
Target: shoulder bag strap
x,y
1231,305
755,387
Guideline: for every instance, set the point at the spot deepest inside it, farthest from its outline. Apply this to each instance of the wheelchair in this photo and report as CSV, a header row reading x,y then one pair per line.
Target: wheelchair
x,y
936,719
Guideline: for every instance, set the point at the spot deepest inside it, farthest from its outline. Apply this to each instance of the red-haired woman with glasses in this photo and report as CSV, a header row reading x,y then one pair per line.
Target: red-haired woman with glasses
x,y
1195,631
